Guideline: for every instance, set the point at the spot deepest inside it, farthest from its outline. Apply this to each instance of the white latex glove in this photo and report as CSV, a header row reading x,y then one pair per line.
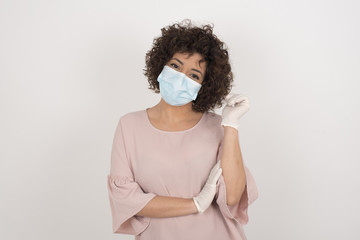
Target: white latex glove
x,y
206,196
236,106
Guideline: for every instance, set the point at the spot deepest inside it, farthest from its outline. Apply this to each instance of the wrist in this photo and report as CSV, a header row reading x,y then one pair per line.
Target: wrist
x,y
194,205
230,128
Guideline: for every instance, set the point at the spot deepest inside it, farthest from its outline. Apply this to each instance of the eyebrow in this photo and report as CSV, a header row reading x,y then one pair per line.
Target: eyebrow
x,y
191,69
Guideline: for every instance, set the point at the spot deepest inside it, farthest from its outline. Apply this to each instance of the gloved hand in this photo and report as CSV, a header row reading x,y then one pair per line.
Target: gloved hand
x,y
206,196
236,106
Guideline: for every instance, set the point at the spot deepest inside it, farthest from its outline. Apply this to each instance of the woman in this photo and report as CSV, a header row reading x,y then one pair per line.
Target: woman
x,y
166,179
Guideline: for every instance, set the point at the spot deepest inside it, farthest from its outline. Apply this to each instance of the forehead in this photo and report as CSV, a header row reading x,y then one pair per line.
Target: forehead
x,y
195,58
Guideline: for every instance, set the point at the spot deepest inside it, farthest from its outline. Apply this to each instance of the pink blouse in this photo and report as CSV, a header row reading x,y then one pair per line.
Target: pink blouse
x,y
147,161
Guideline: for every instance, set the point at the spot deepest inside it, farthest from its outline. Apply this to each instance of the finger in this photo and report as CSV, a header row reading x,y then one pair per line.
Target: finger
x,y
234,99
218,173
217,165
217,176
215,168
237,99
229,96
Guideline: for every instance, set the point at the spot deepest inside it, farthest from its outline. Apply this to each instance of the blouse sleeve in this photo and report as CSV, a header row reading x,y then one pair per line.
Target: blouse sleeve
x,y
239,211
126,196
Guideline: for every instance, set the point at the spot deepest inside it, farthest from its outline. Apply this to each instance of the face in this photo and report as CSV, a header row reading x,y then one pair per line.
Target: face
x,y
192,66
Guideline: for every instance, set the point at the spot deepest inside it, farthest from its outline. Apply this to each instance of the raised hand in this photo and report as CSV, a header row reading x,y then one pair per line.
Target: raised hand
x,y
236,106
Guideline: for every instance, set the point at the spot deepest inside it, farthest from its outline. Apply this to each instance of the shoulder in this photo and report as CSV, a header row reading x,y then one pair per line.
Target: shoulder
x,y
213,118
211,127
131,118
213,123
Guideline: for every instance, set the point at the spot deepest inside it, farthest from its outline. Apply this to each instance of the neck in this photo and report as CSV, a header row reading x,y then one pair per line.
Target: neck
x,y
175,113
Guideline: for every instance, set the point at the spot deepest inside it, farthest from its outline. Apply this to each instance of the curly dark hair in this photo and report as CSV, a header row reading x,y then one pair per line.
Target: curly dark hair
x,y
184,37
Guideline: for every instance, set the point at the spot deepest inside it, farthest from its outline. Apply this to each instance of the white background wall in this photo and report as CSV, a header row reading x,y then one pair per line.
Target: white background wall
x,y
70,69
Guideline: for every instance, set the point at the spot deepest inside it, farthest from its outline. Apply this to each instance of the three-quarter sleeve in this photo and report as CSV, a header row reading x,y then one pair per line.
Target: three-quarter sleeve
x,y
126,196
239,211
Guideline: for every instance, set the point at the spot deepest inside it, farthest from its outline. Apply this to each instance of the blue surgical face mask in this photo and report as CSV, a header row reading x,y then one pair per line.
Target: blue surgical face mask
x,y
176,88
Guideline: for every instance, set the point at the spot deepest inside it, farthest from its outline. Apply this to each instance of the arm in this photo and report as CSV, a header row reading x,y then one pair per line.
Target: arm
x,y
234,194
161,207
231,158
232,165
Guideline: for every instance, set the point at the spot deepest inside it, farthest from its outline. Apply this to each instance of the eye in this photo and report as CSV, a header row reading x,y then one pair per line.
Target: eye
x,y
195,76
174,65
